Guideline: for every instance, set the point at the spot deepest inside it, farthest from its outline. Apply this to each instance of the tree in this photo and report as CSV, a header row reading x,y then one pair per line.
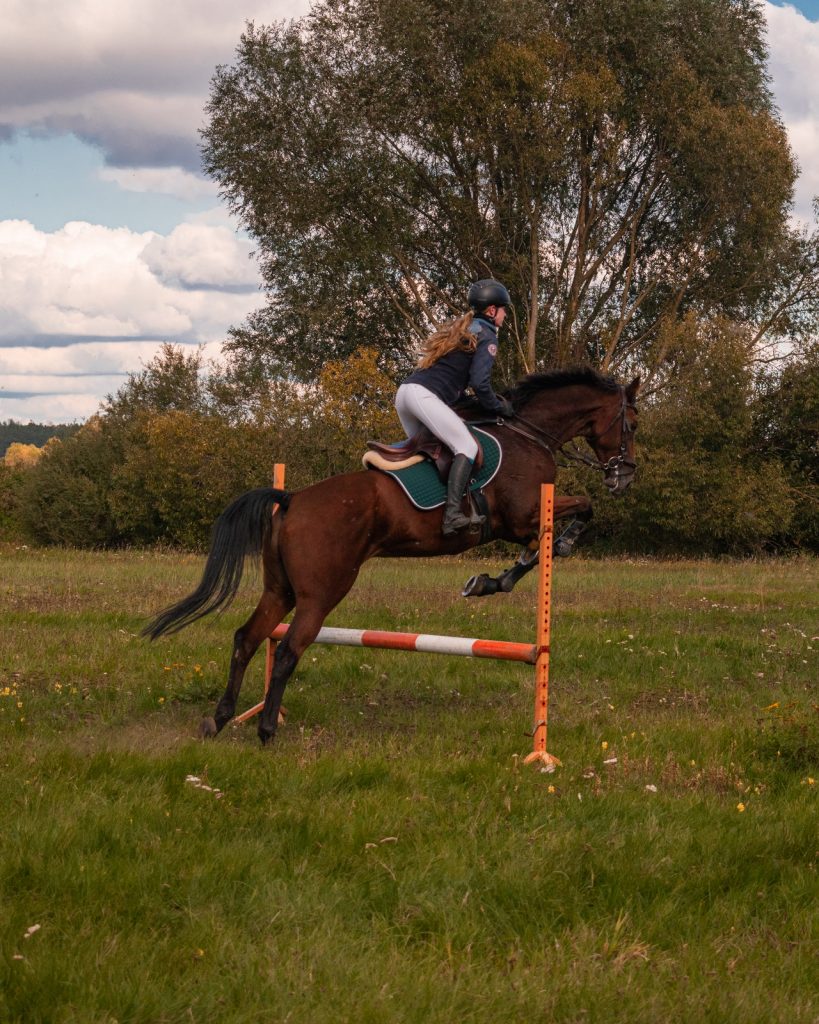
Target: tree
x,y
172,381
617,163
178,472
356,402
706,483
787,424
173,447
21,455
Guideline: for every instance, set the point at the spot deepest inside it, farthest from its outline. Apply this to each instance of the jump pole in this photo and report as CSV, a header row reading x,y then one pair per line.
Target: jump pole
x,y
536,654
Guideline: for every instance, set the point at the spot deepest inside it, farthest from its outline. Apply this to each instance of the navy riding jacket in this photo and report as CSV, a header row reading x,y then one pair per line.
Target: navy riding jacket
x,y
451,374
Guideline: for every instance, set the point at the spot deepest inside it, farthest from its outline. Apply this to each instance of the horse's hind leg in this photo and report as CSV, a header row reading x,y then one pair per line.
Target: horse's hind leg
x,y
308,620
269,612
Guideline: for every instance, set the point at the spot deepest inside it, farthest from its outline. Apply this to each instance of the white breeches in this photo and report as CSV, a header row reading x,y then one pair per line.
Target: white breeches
x,y
416,407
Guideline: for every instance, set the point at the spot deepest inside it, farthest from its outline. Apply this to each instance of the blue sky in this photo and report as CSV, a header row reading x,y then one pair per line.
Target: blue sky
x,y
810,8
111,240
48,180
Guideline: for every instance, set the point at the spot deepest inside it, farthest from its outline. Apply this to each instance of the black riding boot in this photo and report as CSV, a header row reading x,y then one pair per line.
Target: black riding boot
x,y
459,475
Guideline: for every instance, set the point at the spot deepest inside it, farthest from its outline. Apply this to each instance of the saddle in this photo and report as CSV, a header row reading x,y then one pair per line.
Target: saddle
x,y
423,445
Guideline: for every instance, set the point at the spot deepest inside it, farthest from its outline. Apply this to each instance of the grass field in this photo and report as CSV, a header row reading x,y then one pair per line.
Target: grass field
x,y
391,860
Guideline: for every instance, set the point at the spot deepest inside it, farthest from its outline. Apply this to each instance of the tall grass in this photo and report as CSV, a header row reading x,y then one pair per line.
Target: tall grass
x,y
391,859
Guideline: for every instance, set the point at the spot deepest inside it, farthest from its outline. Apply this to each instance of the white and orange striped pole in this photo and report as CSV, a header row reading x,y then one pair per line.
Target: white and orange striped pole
x,y
539,754
423,643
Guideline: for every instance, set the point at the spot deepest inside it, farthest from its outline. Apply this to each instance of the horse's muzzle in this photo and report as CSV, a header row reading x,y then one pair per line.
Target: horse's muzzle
x,y
619,479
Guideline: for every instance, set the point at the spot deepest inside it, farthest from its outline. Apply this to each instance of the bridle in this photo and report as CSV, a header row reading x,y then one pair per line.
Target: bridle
x,y
557,448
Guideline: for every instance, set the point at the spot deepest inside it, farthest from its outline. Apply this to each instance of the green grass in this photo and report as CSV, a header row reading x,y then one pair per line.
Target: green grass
x,y
391,859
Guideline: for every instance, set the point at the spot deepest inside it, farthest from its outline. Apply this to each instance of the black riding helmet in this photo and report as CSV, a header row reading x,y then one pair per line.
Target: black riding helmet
x,y
487,292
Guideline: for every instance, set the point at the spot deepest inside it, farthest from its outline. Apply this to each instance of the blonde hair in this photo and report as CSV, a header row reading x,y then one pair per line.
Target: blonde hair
x,y
451,335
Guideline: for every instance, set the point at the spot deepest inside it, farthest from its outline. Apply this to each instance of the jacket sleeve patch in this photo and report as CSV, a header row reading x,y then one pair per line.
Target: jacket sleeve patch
x,y
492,349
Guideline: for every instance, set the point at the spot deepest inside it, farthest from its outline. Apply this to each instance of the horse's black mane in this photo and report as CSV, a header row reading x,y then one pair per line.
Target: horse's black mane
x,y
531,385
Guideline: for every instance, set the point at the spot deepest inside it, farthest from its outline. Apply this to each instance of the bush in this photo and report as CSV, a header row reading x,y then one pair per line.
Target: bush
x,y
10,479
705,484
787,422
179,471
64,498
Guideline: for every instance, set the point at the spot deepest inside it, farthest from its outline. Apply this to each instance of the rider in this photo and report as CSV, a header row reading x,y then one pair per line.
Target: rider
x,y
459,354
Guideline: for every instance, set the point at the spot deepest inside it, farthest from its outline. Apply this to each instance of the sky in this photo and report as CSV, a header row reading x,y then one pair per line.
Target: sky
x,y
111,239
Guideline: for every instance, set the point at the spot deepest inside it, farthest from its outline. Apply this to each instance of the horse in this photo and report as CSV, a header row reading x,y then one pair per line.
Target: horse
x,y
313,548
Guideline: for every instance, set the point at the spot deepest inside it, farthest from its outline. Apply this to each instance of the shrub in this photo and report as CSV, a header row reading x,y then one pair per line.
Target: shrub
x,y
64,498
179,470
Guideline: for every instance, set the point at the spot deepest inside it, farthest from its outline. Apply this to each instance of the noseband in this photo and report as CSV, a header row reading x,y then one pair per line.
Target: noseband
x,y
621,459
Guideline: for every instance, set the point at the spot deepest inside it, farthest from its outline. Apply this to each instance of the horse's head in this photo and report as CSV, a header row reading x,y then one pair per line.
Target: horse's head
x,y
611,436
562,404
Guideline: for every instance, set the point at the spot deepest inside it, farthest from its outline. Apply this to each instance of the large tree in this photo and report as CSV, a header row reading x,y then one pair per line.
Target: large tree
x,y
617,163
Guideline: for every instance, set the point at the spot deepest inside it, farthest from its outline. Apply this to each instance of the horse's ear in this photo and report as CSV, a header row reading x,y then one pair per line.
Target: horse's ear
x,y
632,389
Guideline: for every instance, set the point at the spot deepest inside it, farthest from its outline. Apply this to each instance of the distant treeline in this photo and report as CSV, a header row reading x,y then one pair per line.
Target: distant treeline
x,y
12,432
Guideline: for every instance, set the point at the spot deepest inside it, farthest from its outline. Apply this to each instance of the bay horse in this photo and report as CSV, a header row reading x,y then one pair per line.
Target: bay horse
x,y
313,548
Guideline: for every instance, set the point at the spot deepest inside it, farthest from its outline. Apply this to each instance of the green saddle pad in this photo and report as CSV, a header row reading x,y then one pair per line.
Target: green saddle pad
x,y
424,487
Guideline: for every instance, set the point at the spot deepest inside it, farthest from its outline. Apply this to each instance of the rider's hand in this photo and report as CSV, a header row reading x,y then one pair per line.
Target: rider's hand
x,y
505,407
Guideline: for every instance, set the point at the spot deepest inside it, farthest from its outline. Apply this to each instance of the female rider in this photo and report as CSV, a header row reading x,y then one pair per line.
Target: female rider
x,y
461,353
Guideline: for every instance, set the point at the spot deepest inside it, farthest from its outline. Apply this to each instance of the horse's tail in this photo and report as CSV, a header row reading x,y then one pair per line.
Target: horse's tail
x,y
240,531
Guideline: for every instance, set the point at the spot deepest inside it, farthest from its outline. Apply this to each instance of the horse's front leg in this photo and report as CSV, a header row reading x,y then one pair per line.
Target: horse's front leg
x,y
484,585
582,513
579,507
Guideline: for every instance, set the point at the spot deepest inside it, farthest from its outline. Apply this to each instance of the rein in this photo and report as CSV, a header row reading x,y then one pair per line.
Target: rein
x,y
556,448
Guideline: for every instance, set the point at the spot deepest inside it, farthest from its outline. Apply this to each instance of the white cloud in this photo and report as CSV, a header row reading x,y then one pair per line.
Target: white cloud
x,y
793,41
68,408
216,216
88,282
204,256
102,358
81,306
60,385
169,181
131,77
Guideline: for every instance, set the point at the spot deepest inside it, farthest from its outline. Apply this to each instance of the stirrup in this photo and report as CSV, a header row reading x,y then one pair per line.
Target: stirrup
x,y
454,524
476,517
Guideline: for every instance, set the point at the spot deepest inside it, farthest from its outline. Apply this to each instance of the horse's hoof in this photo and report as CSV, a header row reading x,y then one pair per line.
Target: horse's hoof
x,y
266,738
480,586
207,728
